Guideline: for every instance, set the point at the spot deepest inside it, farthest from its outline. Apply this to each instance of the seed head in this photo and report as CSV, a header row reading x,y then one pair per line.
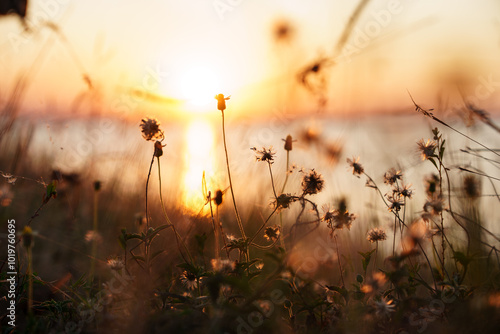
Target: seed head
x,y
288,143
396,202
150,128
375,235
218,197
312,183
266,155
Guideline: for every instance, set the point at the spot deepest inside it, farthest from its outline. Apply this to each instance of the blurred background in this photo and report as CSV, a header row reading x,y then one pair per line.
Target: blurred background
x,y
76,78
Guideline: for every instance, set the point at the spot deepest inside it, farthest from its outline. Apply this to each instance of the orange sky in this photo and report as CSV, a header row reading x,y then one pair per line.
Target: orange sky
x,y
191,50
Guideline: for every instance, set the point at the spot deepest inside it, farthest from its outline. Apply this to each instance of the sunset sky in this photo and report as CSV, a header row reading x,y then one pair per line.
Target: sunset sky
x,y
198,48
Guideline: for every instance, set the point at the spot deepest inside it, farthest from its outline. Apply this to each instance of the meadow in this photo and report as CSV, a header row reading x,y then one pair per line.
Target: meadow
x,y
323,199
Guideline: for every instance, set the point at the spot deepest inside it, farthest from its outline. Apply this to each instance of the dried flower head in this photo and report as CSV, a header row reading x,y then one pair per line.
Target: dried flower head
x,y
283,201
283,31
376,235
396,202
357,169
392,175
288,143
266,155
427,148
339,218
221,101
272,233
403,190
472,186
189,280
150,128
218,197
312,183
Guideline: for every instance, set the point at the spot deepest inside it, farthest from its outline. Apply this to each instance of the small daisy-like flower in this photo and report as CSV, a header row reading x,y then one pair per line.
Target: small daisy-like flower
x,y
115,264
93,236
266,155
150,128
312,183
272,233
403,190
288,143
392,175
221,101
427,149
223,265
384,307
375,235
396,202
357,169
189,280
27,237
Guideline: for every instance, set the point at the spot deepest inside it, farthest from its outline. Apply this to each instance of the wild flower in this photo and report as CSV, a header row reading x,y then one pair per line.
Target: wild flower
x,y
375,235
312,183
259,265
338,219
272,233
9,177
115,264
427,148
392,175
189,280
231,238
384,307
403,190
395,201
266,155
221,101
223,265
158,149
27,237
471,186
283,201
150,128
357,169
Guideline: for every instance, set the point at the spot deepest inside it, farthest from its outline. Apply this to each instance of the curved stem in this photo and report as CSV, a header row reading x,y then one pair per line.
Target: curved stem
x,y
261,227
338,259
272,180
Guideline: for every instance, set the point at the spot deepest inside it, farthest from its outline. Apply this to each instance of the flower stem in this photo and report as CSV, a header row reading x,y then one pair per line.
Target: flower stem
x,y
338,259
238,219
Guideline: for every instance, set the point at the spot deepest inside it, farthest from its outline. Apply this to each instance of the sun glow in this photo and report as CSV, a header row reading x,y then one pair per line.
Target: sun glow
x,y
198,159
199,85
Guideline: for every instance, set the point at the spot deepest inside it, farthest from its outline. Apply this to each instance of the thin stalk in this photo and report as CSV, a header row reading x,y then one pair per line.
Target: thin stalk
x,y
95,230
238,219
30,280
272,180
286,174
338,259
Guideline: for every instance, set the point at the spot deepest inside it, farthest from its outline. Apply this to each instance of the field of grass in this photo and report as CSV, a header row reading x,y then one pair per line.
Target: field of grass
x,y
89,258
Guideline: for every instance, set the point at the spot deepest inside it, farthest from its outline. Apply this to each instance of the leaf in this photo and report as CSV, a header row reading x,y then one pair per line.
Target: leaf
x,y
366,258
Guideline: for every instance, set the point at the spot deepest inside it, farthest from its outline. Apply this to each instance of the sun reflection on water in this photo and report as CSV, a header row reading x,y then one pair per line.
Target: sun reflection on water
x,y
198,159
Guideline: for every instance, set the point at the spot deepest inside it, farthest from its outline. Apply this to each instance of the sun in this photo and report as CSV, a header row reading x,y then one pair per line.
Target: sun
x,y
198,85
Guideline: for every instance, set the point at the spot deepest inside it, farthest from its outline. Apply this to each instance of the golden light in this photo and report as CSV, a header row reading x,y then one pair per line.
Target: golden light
x,y
199,85
198,159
